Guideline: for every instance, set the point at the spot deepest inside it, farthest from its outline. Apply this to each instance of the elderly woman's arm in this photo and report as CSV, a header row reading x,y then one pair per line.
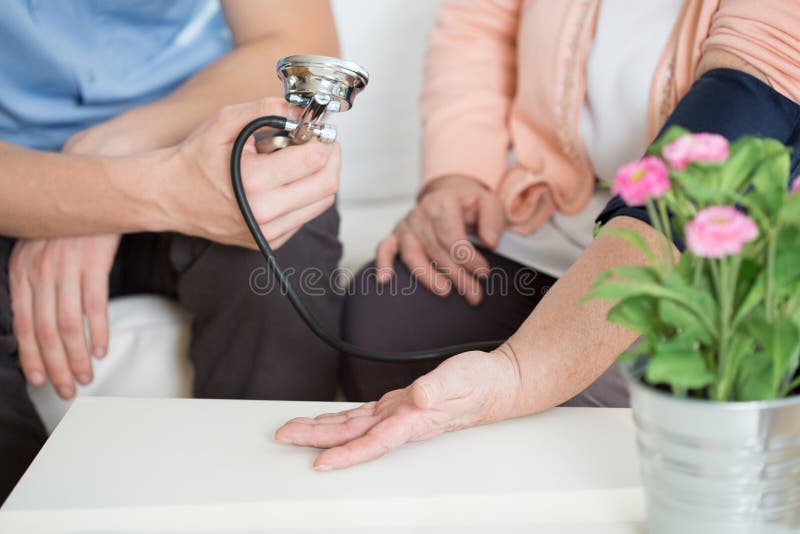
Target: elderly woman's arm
x,y
565,345
562,348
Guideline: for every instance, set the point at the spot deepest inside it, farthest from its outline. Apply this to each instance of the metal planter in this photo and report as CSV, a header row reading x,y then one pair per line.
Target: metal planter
x,y
718,467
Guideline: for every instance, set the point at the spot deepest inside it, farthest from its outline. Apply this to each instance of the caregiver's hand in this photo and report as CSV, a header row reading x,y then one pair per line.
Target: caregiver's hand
x,y
285,189
466,390
55,283
432,238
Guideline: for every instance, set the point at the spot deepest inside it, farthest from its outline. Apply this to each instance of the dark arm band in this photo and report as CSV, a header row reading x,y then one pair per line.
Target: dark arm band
x,y
733,104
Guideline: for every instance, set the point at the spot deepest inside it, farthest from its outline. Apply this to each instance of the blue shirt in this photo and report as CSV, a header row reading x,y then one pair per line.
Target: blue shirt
x,y
68,64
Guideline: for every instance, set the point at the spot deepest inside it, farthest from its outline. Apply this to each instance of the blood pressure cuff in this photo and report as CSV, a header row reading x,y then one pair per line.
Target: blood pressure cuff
x,y
733,104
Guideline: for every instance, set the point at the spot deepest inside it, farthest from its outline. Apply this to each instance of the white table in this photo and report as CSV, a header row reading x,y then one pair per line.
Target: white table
x,y
178,465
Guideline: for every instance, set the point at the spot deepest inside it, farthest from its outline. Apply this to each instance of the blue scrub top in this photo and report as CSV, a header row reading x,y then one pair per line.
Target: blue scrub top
x,y
68,64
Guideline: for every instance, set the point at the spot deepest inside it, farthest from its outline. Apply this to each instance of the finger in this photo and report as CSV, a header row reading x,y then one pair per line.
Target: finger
x,y
491,220
451,233
69,312
466,285
414,257
380,439
266,172
288,224
366,409
22,308
48,338
95,306
384,258
337,417
323,435
274,203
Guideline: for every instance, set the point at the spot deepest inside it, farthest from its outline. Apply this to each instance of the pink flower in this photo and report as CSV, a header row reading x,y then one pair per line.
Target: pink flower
x,y
639,180
706,147
796,184
719,231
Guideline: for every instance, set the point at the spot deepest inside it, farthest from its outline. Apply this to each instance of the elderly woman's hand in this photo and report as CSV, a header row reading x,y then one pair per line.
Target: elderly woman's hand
x,y
469,389
432,241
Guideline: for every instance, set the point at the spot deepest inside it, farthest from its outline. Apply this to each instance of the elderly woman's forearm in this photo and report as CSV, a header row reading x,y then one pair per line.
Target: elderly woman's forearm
x,y
565,345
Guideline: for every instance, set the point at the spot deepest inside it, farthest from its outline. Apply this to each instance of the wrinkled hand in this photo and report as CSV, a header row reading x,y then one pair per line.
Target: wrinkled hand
x,y
286,189
466,390
432,238
55,283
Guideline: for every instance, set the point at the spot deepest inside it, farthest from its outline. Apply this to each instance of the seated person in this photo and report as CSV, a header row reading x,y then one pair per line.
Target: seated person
x,y
116,87
577,89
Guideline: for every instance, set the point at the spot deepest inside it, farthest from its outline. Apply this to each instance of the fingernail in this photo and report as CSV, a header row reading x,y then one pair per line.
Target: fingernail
x,y
37,378
99,352
323,467
84,378
65,391
283,440
492,237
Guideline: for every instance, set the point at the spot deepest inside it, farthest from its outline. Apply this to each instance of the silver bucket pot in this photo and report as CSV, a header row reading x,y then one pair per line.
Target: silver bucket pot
x,y
718,467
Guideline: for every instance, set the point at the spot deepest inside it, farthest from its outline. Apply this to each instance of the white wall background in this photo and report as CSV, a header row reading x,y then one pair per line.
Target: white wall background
x,y
380,136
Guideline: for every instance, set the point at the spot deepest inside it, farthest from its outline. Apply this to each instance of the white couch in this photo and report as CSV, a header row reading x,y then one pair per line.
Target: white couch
x,y
380,141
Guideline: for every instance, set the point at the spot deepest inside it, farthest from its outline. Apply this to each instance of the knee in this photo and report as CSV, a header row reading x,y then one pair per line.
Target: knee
x,y
374,313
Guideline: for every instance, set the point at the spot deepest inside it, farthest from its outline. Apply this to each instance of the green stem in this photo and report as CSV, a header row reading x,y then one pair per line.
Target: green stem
x,y
656,220
720,270
667,226
770,289
698,272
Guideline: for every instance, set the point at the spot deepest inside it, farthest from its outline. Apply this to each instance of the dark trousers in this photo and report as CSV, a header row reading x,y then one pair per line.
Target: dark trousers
x,y
247,342
406,316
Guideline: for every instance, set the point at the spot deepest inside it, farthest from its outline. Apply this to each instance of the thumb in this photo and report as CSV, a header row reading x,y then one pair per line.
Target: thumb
x,y
491,219
232,119
438,386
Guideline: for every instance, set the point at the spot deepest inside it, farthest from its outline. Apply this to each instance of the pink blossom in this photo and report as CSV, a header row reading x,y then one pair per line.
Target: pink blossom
x,y
706,147
719,231
639,180
796,184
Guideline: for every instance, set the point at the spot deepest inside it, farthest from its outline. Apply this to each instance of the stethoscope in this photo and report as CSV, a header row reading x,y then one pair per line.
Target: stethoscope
x,y
317,84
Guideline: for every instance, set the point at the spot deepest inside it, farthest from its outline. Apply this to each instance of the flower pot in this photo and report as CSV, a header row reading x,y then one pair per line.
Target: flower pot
x,y
717,467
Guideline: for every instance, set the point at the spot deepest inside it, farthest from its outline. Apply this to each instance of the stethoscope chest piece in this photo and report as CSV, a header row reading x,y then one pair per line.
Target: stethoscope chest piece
x,y
318,85
308,76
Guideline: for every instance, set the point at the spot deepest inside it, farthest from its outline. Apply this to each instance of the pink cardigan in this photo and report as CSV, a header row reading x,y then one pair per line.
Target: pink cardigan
x,y
504,73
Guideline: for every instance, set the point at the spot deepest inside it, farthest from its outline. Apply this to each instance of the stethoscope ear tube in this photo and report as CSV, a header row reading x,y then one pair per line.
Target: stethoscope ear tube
x,y
279,123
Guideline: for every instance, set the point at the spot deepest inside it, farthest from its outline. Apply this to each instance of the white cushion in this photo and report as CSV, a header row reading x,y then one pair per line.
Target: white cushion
x,y
146,356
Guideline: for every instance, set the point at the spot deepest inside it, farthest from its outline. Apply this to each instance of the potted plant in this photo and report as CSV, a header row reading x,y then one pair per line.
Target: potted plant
x,y
714,380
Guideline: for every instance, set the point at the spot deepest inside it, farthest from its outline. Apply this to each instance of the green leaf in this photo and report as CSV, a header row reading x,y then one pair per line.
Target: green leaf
x,y
637,315
779,341
744,157
672,133
700,297
613,290
697,185
754,380
685,321
752,300
790,211
771,176
787,266
679,365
